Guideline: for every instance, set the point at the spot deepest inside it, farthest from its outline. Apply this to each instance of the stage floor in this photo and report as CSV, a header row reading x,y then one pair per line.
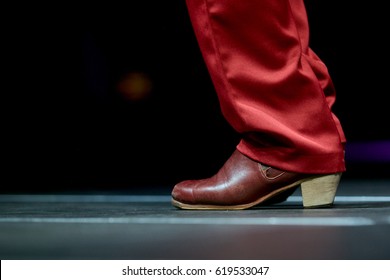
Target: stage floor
x,y
145,225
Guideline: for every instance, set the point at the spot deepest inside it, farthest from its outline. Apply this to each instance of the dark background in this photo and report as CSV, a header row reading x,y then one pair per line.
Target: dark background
x,y
68,127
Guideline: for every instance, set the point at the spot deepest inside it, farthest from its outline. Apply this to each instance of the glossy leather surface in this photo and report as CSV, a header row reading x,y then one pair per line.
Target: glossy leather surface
x,y
240,181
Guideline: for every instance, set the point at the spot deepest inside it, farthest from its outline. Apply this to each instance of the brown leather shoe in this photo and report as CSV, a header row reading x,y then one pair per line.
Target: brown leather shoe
x,y
243,183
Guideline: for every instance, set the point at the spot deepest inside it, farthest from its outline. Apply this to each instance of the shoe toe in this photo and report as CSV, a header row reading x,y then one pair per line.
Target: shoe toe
x,y
183,192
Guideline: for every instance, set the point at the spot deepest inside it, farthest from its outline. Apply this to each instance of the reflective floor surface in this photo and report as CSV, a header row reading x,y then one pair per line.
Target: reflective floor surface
x,y
146,226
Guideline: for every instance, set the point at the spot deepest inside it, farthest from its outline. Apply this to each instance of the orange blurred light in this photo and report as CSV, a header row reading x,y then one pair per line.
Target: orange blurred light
x,y
135,86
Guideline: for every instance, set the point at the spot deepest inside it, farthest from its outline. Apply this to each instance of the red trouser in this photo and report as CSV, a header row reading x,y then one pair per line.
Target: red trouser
x,y
272,87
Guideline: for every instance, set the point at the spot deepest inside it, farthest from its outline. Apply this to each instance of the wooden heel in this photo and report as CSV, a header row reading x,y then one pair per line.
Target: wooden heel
x,y
320,191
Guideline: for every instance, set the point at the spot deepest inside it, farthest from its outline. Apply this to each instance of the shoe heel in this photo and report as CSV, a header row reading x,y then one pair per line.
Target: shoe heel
x,y
320,191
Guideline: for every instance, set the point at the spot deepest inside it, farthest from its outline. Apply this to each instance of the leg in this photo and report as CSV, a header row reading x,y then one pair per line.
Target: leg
x,y
275,92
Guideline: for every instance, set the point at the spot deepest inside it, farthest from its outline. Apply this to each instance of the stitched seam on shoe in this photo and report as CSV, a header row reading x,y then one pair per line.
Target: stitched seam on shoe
x,y
264,173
